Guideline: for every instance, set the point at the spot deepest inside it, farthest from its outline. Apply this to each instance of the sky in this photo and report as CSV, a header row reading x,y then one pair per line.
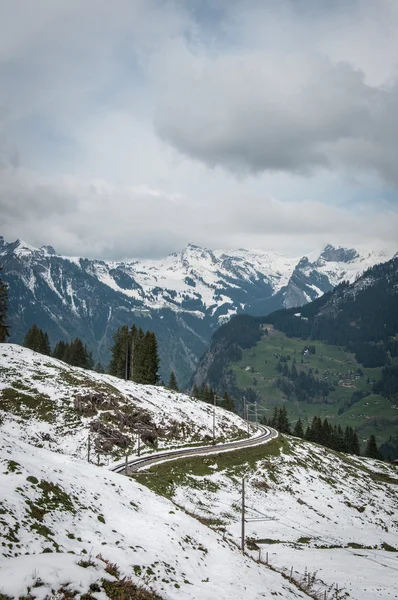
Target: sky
x,y
130,128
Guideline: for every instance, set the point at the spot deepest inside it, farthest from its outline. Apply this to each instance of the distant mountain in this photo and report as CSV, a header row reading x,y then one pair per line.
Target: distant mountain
x,y
361,316
183,297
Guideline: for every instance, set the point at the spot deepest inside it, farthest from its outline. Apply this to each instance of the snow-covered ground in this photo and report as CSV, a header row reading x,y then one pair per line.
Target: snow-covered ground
x,y
316,512
37,395
331,519
58,514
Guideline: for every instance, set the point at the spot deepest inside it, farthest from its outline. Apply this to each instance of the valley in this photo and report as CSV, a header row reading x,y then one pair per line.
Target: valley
x,y
350,400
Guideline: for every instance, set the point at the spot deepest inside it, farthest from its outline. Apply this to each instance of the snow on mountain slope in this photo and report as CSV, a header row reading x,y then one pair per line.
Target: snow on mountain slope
x,y
319,511
48,403
198,273
59,514
183,298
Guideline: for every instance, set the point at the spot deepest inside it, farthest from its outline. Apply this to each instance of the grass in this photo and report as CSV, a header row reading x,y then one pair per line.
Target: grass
x,y
165,477
333,363
26,405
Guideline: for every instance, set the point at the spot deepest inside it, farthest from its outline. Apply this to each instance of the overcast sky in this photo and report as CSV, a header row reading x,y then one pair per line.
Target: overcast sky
x,y
129,128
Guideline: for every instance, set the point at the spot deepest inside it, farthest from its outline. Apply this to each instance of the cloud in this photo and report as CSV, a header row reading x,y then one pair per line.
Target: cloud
x,y
257,111
133,128
99,220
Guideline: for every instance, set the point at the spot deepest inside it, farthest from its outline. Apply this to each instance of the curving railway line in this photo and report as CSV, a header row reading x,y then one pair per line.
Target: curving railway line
x,y
266,434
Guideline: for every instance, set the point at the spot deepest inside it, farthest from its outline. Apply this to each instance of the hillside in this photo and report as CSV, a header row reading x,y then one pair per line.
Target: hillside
x,y
321,359
328,517
50,404
76,529
183,298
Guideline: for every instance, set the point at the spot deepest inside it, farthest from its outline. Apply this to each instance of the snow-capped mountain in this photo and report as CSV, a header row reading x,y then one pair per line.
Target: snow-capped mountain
x,y
182,297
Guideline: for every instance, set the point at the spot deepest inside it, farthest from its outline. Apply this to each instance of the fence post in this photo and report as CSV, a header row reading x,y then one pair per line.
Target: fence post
x,y
127,458
291,573
267,557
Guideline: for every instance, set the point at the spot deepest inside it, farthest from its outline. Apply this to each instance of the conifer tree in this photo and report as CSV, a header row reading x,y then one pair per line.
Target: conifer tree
x,y
195,391
79,356
60,350
282,421
298,430
372,450
37,340
172,384
99,368
228,403
4,330
120,360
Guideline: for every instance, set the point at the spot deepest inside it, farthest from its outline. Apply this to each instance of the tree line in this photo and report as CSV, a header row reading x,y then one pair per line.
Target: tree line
x,y
324,433
74,353
207,394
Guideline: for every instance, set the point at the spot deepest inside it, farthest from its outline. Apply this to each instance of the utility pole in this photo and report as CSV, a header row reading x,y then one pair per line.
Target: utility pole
x,y
88,448
139,445
242,541
247,419
214,420
127,461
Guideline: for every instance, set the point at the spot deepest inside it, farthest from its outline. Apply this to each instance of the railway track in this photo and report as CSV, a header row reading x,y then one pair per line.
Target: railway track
x,y
266,434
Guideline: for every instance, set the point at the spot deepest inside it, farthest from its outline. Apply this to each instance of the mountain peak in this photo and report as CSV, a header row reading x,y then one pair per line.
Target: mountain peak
x,y
332,254
48,250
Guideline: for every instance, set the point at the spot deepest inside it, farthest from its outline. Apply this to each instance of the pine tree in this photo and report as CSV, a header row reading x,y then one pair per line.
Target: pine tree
x,y
79,356
138,374
372,450
45,346
283,421
120,360
99,368
228,403
60,350
298,430
37,340
195,391
4,330
152,358
172,384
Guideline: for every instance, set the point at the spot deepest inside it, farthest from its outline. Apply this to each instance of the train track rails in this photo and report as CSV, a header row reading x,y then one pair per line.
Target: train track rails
x,y
137,464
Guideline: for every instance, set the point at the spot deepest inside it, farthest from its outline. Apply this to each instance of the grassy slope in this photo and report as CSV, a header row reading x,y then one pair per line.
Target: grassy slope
x,y
372,414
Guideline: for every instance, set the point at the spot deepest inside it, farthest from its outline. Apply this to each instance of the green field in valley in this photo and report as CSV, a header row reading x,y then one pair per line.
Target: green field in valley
x,y
333,364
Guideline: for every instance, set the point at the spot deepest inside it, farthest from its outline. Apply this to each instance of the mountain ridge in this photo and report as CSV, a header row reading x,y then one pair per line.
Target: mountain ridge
x,y
183,297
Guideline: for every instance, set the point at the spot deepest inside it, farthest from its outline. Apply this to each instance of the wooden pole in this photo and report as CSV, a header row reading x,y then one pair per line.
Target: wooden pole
x,y
127,461
214,420
242,541
88,448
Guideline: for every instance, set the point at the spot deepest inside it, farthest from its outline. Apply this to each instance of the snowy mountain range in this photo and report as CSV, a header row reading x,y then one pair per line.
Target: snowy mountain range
x,y
183,297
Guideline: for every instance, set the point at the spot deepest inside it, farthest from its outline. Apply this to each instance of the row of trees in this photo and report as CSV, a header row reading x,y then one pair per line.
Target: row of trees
x,y
207,394
135,355
324,433
303,385
74,353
